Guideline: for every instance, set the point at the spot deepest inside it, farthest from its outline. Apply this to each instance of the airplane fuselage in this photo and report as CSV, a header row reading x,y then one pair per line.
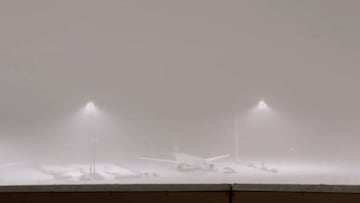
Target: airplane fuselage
x,y
190,162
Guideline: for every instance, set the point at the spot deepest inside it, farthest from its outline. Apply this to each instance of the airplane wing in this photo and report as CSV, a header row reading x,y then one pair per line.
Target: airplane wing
x,y
159,160
218,157
11,164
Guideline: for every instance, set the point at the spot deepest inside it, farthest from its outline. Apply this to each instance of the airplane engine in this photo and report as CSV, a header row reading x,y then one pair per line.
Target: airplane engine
x,y
208,166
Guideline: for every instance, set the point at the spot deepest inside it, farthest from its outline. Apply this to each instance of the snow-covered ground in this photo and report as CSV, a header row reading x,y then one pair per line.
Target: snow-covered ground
x,y
149,173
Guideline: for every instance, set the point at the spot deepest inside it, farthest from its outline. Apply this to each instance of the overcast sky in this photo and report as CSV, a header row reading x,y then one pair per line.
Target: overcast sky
x,y
182,70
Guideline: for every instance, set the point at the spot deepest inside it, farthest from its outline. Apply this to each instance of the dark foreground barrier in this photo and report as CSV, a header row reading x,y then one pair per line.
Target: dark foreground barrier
x,y
116,193
217,193
295,193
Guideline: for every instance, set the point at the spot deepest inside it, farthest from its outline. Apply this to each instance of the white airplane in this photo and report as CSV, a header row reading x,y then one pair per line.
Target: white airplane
x,y
186,162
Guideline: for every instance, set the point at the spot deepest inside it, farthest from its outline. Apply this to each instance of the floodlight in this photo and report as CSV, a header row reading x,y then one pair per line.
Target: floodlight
x,y
262,105
90,107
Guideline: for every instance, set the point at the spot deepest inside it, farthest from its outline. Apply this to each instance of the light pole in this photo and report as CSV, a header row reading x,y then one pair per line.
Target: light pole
x,y
260,109
263,110
236,138
91,110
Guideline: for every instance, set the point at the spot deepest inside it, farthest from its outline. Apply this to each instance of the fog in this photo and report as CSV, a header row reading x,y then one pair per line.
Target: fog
x,y
269,86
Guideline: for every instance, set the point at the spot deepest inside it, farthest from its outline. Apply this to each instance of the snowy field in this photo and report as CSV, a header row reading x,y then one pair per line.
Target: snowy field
x,y
150,173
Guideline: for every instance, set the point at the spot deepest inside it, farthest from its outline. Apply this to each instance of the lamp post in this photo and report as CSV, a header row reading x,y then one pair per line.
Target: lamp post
x,y
90,110
236,138
261,108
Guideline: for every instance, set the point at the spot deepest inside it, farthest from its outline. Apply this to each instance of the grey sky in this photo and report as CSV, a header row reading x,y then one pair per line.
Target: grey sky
x,y
183,68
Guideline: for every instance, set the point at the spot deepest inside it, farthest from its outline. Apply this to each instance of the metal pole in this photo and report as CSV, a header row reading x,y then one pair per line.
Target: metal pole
x,y
236,139
94,155
90,158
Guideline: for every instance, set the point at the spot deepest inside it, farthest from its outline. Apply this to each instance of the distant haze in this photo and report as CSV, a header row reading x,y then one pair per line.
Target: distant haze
x,y
169,74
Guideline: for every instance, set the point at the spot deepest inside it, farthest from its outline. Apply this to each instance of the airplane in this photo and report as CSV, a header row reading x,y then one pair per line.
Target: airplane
x,y
187,162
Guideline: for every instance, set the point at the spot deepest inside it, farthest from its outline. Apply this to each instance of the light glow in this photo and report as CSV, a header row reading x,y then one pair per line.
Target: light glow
x,y
90,107
262,105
